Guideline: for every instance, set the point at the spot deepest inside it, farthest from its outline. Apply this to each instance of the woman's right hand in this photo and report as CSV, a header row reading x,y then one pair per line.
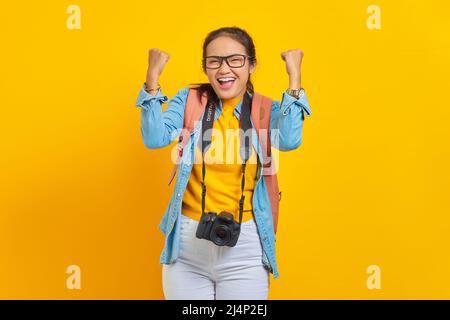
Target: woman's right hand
x,y
157,59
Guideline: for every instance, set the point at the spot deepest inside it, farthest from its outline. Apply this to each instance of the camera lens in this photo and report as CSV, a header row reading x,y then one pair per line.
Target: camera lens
x,y
221,235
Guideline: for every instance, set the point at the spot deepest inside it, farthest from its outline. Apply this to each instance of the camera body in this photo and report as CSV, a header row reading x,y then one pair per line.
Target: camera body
x,y
219,228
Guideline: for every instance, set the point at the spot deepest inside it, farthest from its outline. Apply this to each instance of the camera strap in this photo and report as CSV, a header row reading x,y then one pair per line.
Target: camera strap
x,y
245,137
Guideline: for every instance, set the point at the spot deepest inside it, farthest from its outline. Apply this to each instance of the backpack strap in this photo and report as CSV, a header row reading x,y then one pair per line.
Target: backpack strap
x,y
261,110
192,113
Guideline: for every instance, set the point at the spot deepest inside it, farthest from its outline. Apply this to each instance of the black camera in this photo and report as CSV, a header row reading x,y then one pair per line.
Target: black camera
x,y
220,229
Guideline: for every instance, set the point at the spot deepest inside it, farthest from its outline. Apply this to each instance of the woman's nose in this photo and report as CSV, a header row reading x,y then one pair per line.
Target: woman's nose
x,y
224,68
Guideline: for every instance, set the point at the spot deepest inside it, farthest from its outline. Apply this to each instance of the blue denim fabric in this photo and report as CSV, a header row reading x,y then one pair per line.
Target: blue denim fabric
x,y
160,128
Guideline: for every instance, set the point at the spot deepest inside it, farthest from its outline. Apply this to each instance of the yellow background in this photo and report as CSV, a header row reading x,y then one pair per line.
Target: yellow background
x,y
368,186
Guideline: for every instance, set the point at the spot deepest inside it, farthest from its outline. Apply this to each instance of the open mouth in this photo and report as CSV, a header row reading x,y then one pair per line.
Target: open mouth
x,y
226,82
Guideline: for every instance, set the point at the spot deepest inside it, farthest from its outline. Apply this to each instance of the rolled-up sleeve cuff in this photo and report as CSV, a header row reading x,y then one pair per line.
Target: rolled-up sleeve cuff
x,y
289,100
145,96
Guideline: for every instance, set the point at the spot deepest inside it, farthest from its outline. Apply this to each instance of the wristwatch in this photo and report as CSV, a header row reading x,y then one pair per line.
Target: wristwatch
x,y
296,93
149,90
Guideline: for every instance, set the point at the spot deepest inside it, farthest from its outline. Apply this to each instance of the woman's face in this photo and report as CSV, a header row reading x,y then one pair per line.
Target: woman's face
x,y
226,46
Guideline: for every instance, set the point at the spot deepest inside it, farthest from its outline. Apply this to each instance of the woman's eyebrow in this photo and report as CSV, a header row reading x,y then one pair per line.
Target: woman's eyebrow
x,y
233,54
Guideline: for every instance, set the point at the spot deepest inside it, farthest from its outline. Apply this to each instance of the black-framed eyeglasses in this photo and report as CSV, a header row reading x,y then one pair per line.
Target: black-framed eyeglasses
x,y
233,61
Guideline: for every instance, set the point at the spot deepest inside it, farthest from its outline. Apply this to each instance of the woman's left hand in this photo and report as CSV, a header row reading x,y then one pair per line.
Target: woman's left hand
x,y
293,59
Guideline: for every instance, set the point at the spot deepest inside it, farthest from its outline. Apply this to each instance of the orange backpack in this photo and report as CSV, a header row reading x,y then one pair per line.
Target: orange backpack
x,y
260,113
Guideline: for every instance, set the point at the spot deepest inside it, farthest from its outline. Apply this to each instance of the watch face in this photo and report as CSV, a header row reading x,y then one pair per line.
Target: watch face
x,y
301,93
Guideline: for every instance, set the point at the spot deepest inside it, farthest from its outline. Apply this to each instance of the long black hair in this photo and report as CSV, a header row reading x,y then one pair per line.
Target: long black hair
x,y
237,34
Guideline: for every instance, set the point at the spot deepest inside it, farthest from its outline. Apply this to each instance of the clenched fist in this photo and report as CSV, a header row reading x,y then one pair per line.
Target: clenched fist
x,y
157,59
293,59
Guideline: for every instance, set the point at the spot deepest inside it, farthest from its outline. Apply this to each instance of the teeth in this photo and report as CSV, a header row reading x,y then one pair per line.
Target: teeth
x,y
225,79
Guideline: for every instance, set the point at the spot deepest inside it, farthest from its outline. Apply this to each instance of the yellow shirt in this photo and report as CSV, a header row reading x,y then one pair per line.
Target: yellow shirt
x,y
223,171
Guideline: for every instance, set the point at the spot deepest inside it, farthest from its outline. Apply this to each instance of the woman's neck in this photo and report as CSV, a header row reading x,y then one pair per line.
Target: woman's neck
x,y
231,102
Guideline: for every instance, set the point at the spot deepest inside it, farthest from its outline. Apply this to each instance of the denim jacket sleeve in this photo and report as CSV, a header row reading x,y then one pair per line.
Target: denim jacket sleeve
x,y
286,121
160,128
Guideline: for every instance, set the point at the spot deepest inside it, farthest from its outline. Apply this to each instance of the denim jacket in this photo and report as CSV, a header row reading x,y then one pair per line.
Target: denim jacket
x,y
160,128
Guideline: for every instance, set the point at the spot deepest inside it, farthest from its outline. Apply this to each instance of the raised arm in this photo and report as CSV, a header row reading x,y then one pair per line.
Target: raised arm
x,y
159,128
286,118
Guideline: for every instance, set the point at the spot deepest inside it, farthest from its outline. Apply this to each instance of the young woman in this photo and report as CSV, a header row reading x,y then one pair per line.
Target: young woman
x,y
202,268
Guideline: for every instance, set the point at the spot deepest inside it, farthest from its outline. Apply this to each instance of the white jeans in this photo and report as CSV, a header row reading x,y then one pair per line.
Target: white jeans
x,y
206,271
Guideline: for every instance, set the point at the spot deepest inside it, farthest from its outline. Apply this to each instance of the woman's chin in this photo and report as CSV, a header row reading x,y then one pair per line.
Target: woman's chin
x,y
226,94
